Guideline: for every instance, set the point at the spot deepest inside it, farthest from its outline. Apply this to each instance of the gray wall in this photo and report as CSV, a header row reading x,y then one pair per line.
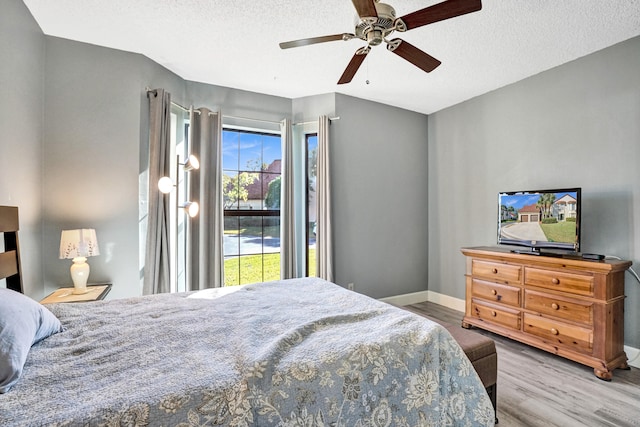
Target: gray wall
x,y
239,103
88,137
379,197
95,123
574,125
309,108
21,123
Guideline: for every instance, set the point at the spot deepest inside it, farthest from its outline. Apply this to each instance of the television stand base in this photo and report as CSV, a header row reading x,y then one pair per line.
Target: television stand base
x,y
538,252
526,252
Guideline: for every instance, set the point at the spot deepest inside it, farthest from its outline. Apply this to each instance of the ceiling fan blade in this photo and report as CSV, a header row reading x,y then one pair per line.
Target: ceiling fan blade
x,y
353,66
439,12
414,55
365,8
314,40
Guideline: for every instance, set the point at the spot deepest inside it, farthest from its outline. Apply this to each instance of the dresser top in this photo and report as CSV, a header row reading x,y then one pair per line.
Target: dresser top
x,y
506,253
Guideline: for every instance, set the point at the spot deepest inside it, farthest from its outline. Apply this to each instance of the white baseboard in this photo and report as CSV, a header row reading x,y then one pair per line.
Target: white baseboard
x,y
459,304
447,301
407,299
422,296
634,356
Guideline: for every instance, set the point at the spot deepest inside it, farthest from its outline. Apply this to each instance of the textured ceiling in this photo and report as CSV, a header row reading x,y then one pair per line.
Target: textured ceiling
x,y
235,43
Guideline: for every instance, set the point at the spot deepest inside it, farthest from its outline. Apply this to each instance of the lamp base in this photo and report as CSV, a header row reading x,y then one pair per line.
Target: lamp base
x,y
79,275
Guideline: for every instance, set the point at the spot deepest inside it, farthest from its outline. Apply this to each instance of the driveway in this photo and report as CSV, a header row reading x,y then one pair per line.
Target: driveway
x,y
245,245
524,231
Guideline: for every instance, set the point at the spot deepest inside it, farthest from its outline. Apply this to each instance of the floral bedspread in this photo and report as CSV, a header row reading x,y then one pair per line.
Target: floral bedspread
x,y
301,352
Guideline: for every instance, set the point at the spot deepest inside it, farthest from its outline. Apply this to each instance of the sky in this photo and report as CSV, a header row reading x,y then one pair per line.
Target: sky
x,y
241,148
524,199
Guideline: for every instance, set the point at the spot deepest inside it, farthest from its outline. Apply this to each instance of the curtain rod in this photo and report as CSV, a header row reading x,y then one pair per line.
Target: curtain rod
x,y
148,89
185,109
250,119
315,121
273,122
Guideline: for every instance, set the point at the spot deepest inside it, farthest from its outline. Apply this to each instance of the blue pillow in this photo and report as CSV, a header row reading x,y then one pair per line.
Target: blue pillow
x,y
23,322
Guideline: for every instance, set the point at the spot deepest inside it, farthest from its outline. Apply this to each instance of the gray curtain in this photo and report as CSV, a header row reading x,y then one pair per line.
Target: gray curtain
x,y
324,244
205,258
288,264
156,265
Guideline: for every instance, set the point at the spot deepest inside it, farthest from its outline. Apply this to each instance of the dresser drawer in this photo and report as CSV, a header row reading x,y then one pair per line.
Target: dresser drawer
x,y
559,333
580,284
496,271
498,316
563,308
495,292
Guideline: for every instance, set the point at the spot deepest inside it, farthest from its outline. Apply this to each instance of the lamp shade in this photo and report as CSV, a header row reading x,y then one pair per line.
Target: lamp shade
x,y
165,185
192,163
191,208
78,243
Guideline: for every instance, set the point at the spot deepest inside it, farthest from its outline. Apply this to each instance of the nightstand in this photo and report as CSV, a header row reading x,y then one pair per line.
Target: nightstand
x,y
95,293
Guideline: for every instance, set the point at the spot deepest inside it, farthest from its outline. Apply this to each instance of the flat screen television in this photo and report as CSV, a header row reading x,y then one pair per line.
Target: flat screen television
x,y
543,219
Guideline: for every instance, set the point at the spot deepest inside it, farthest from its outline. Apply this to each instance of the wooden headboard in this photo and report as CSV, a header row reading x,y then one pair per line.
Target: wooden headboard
x,y
10,268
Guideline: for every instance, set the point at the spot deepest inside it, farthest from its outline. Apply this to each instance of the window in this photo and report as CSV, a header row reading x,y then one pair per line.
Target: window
x,y
179,143
311,144
251,163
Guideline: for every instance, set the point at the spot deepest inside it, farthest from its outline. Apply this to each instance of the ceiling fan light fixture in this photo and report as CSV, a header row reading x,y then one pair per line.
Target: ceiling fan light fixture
x,y
374,36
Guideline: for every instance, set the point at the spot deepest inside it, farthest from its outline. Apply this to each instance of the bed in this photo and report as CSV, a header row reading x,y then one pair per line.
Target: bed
x,y
301,352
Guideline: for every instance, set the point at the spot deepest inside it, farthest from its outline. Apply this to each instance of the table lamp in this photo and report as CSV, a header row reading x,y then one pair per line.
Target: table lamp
x,y
78,245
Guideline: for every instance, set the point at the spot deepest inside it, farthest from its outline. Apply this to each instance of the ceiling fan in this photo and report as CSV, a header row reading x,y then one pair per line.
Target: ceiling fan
x,y
378,21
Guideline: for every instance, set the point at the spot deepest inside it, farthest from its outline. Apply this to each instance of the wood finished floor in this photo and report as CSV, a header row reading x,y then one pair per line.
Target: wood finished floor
x,y
536,388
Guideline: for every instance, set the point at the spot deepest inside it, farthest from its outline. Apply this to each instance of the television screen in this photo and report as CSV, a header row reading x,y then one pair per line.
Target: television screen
x,y
540,219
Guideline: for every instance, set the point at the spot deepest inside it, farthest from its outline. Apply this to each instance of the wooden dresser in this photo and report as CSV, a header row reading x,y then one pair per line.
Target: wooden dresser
x,y
568,306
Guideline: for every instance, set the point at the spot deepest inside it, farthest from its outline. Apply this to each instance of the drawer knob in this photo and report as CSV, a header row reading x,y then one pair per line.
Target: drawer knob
x,y
494,292
554,331
493,313
555,306
555,281
494,271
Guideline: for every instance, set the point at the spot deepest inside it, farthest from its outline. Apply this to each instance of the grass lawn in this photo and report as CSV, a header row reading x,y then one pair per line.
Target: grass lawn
x,y
258,268
560,232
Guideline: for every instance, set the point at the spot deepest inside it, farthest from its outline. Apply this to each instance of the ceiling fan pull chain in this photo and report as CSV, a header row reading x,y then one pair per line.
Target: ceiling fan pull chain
x,y
367,81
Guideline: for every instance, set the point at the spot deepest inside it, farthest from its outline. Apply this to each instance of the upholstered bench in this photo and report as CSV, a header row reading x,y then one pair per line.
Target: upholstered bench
x,y
481,351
